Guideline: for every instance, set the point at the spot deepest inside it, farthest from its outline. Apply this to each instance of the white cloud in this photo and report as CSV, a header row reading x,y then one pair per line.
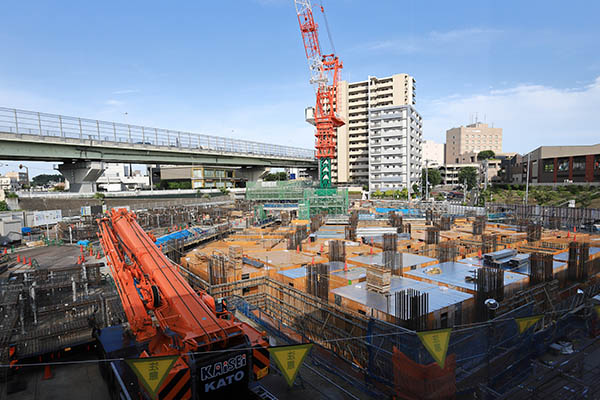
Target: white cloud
x,y
114,103
447,41
530,115
125,91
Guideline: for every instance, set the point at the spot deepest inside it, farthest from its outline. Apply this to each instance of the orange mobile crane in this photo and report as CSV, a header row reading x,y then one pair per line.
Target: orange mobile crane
x,y
166,317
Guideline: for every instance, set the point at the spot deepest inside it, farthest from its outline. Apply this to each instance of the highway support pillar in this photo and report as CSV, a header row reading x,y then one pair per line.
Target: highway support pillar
x,y
252,174
82,175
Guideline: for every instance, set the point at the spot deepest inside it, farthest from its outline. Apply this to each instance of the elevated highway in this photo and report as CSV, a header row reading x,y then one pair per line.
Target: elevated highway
x,y
84,144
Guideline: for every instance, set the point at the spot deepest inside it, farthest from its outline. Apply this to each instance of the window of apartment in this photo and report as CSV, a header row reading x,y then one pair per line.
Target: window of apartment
x,y
563,165
549,166
597,163
579,164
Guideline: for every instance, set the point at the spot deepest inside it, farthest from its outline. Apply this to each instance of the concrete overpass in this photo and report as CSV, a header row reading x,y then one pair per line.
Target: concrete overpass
x,y
83,145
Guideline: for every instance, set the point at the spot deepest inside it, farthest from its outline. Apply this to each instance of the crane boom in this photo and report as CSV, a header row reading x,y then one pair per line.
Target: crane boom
x,y
168,317
325,74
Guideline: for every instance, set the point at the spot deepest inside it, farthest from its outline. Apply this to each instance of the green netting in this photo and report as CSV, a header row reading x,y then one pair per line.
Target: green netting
x,y
259,213
327,201
276,190
311,201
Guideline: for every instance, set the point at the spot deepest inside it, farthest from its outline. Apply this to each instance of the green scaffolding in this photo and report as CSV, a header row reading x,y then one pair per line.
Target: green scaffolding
x,y
323,201
259,213
276,190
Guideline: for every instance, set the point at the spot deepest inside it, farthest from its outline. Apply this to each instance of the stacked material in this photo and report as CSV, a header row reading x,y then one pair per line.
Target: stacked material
x,y
518,260
497,255
379,279
235,257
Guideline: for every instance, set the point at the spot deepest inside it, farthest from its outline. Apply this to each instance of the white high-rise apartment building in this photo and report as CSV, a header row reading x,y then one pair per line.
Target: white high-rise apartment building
x,y
356,100
395,148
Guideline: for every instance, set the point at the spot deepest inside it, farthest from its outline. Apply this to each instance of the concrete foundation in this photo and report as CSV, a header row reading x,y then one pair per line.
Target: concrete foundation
x,y
81,176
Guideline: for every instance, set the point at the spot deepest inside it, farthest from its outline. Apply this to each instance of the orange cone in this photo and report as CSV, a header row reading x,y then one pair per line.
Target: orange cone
x,y
79,260
371,250
6,250
479,253
29,261
574,238
98,255
47,373
345,266
568,234
81,248
321,247
313,261
91,252
297,248
18,258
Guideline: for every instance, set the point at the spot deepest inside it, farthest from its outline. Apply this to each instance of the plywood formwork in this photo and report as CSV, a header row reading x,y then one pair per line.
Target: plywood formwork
x,y
283,259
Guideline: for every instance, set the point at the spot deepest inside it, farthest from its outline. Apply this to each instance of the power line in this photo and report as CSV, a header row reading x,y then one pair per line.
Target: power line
x,y
407,332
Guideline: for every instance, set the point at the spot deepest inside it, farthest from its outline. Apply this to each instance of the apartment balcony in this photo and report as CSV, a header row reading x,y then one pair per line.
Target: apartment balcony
x,y
356,149
383,117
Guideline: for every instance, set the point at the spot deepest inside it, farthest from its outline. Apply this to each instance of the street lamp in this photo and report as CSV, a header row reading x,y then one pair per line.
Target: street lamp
x,y
21,166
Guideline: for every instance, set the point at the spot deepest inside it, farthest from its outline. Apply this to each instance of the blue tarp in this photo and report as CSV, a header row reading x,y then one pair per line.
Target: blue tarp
x,y
404,211
182,234
83,243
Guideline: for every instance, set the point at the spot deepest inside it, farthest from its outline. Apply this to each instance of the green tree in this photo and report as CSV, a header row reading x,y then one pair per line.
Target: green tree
x,y
378,194
470,175
389,193
433,175
485,155
415,190
45,179
3,206
402,194
277,176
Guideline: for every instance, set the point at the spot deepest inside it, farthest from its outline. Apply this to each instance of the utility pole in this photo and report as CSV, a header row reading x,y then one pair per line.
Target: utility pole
x,y
465,191
485,176
527,184
426,180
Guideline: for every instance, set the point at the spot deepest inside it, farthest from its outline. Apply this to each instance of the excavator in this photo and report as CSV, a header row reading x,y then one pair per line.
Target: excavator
x,y
217,355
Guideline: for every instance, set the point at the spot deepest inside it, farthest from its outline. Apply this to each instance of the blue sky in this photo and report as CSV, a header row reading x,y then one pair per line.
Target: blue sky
x,y
237,68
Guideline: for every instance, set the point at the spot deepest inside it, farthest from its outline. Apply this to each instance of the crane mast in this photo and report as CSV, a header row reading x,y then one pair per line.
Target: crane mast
x,y
325,75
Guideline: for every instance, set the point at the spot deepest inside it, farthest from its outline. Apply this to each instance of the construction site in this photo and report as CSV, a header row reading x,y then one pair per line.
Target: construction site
x,y
359,284
287,289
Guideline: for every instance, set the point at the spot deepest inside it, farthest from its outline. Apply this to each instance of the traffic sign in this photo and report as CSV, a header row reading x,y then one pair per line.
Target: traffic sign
x,y
152,371
289,359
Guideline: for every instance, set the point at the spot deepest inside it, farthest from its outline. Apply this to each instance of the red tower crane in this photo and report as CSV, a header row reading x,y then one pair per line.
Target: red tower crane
x,y
167,317
325,75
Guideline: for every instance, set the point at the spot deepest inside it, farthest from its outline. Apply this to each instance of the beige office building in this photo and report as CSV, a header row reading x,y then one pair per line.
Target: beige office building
x,y
433,153
471,138
356,101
